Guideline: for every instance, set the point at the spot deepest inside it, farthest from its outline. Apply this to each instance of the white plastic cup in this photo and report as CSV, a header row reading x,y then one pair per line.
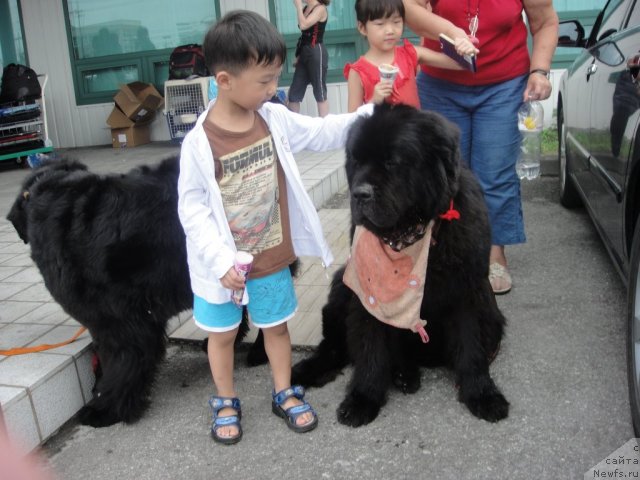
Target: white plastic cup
x,y
388,72
242,263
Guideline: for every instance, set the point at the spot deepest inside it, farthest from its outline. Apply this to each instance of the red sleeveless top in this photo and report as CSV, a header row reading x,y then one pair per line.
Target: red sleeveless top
x,y
405,89
502,34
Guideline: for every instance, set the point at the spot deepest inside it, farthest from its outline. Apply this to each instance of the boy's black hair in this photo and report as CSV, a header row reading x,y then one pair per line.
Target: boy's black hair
x,y
375,9
239,39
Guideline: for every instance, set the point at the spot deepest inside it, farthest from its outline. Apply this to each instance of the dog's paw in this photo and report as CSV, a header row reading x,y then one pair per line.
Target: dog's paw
x,y
308,374
357,410
89,415
491,407
407,381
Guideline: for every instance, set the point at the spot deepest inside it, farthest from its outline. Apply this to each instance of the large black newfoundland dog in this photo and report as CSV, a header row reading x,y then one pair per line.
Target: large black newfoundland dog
x,y
112,253
403,168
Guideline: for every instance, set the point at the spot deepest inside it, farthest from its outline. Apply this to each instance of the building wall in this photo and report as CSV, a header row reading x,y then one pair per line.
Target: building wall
x,y
71,125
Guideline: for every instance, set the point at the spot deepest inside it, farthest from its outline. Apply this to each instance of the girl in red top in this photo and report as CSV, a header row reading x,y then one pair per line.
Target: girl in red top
x,y
382,23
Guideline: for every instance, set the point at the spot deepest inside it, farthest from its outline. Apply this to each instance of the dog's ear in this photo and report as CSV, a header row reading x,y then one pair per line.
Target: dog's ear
x,y
18,216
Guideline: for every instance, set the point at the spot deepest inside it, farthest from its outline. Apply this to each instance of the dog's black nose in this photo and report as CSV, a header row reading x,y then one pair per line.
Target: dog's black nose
x,y
363,192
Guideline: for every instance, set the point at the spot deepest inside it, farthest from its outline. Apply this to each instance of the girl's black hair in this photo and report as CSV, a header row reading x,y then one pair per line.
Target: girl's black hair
x,y
241,38
375,9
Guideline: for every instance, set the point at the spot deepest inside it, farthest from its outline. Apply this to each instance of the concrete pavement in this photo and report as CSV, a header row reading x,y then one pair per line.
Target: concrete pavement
x,y
562,367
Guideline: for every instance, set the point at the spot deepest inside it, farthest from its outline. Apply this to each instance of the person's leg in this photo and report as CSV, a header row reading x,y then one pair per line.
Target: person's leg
x,y
221,353
294,106
272,302
323,108
318,75
299,82
277,344
494,152
222,322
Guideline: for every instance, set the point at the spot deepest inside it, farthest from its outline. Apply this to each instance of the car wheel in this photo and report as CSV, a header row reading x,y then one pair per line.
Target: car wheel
x,y
633,330
569,196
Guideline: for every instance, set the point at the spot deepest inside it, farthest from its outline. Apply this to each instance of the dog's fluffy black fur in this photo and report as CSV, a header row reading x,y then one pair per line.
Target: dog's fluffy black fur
x,y
112,253
403,167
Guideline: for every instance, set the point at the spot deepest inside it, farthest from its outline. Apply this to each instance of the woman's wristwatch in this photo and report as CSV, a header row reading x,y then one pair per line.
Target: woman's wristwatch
x,y
540,71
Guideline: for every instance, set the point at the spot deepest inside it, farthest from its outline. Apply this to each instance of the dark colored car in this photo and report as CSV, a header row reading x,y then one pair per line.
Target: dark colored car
x,y
599,148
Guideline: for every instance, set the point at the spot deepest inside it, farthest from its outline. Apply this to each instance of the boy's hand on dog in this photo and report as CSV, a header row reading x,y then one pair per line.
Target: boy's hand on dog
x,y
232,280
381,91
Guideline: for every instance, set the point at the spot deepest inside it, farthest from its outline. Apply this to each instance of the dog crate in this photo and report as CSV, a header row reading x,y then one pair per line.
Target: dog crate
x,y
184,101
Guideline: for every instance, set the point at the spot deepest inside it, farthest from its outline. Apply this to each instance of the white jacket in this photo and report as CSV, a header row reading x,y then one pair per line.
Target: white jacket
x,y
210,245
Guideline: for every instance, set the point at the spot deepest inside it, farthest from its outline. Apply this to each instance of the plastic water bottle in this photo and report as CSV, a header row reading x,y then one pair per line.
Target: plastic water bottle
x,y
530,119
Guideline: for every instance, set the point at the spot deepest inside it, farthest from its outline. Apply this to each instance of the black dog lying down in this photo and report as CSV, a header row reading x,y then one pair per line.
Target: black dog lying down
x,y
403,168
112,253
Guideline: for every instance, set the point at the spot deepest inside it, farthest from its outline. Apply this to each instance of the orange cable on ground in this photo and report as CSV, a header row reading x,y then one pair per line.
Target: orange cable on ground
x,y
44,346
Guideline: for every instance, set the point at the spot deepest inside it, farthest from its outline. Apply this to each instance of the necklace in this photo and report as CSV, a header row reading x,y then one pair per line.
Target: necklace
x,y
473,19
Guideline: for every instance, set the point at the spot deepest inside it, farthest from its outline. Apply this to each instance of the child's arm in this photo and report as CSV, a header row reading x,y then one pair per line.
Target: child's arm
x,y
426,56
314,133
355,91
199,221
314,16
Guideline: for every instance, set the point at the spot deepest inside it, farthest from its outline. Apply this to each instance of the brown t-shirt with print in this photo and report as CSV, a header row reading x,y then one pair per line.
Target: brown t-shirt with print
x,y
254,194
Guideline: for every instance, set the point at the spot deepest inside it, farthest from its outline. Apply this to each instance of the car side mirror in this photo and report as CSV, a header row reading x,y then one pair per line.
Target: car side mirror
x,y
571,34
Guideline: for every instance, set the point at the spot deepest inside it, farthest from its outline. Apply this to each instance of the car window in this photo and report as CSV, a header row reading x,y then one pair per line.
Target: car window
x,y
634,18
612,18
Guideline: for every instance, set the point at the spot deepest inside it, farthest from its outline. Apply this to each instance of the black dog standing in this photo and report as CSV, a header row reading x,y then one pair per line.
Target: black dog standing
x,y
403,168
112,253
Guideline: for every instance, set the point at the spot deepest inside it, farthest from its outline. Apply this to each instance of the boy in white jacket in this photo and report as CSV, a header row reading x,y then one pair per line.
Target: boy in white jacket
x,y
240,189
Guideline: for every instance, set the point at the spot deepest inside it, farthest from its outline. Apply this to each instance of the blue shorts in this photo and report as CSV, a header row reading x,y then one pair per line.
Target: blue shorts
x,y
272,301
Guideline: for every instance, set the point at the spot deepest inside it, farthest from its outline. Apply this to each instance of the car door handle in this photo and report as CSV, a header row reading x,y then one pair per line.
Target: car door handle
x,y
593,68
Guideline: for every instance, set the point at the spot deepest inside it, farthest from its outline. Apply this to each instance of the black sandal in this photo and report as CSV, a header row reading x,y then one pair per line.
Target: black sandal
x,y
292,413
217,404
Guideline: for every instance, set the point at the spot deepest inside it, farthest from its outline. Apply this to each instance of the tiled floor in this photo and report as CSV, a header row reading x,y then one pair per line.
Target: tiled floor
x,y
41,391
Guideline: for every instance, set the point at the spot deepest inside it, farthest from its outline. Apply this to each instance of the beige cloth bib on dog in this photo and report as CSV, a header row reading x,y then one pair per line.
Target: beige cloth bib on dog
x,y
389,284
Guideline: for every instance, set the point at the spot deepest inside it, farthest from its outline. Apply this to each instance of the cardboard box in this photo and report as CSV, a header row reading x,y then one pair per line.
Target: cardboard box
x,y
127,133
138,101
130,137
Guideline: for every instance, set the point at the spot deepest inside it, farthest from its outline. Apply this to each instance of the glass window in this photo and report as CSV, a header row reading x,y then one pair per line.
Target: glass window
x,y
11,38
634,18
118,41
112,27
613,17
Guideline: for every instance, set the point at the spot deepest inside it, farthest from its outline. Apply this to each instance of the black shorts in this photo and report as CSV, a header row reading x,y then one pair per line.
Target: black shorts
x,y
311,69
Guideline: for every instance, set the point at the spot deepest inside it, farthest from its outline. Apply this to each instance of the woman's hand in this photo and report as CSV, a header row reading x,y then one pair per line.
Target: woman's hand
x,y
381,91
232,280
464,44
538,87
